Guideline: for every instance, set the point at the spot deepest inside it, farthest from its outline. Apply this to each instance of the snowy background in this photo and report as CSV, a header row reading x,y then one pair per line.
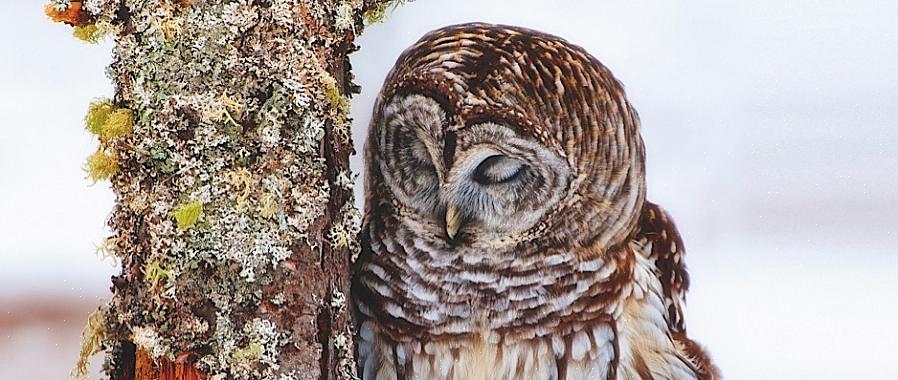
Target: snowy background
x,y
771,137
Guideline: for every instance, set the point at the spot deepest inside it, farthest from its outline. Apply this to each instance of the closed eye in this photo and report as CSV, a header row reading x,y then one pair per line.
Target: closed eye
x,y
498,169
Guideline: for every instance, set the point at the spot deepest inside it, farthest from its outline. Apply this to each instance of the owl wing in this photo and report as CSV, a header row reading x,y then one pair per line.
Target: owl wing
x,y
661,243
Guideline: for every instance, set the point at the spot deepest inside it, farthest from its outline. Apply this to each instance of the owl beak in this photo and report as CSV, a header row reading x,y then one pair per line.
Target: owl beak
x,y
453,221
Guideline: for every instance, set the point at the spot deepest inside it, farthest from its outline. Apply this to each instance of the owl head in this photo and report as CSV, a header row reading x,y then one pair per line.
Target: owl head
x,y
491,136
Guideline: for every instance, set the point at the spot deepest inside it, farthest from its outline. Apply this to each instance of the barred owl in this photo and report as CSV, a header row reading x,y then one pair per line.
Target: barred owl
x,y
506,233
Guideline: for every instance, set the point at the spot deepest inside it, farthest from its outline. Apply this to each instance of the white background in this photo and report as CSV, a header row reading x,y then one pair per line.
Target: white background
x,y
771,137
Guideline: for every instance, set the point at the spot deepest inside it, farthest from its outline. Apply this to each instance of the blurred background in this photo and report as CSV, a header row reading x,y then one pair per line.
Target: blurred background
x,y
771,138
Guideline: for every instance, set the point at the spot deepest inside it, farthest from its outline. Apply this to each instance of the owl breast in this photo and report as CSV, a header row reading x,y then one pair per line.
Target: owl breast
x,y
587,355
634,345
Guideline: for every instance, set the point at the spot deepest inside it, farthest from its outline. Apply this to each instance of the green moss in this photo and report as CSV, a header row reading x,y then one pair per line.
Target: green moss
x,y
89,33
92,337
340,104
108,122
375,14
154,272
97,115
248,355
378,12
119,124
336,98
187,214
101,166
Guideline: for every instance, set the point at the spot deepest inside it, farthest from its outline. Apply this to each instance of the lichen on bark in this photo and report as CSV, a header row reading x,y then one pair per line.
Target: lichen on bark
x,y
234,219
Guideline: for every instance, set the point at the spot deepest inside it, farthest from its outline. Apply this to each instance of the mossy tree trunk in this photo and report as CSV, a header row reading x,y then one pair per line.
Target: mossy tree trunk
x,y
227,146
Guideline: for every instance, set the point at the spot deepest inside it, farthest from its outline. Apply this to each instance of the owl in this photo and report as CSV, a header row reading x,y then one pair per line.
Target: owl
x,y
506,234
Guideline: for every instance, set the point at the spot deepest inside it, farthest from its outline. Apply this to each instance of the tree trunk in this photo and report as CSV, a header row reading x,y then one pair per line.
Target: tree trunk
x,y
227,145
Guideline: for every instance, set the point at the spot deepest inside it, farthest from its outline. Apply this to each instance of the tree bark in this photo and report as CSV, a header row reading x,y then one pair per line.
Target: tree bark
x,y
227,145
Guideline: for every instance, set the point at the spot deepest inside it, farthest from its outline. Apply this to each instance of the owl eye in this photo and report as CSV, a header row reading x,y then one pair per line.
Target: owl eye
x,y
498,169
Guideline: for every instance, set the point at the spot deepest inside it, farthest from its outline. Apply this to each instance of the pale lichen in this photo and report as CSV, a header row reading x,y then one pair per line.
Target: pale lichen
x,y
255,358
107,249
149,340
241,182
269,207
343,234
344,352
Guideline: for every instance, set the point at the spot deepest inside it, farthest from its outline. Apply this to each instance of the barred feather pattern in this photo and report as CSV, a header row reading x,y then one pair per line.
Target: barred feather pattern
x,y
563,272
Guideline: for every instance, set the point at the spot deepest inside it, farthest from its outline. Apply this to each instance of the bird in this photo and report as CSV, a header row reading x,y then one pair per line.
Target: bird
x,y
506,232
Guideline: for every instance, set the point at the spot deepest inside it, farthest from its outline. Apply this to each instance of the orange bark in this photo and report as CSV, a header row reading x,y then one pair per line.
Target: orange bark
x,y
73,15
146,369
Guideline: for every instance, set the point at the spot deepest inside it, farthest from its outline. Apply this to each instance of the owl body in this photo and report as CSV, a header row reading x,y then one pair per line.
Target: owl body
x,y
506,232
